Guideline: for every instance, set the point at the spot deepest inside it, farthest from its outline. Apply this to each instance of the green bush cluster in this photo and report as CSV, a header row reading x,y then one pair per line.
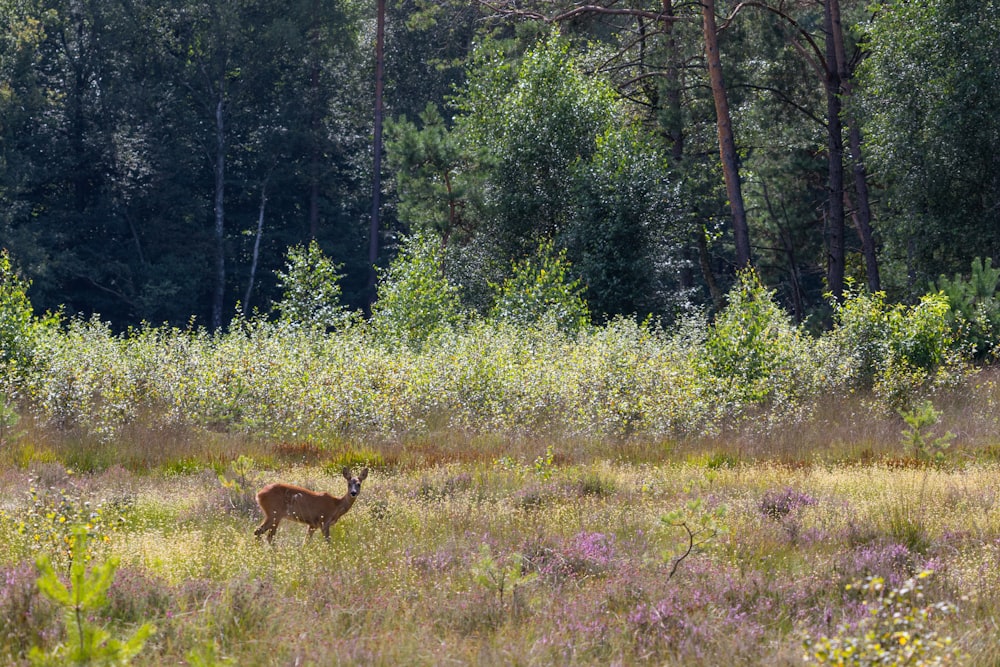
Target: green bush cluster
x,y
892,348
533,364
19,327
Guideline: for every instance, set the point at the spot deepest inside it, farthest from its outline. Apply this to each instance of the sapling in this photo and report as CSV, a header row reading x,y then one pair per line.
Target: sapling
x,y
701,526
501,577
86,643
916,439
240,483
9,419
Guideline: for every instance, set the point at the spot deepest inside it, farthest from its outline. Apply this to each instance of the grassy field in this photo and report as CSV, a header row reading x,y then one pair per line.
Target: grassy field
x,y
489,551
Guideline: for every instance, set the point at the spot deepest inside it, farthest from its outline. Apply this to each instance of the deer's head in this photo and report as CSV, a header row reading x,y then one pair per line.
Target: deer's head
x,y
354,483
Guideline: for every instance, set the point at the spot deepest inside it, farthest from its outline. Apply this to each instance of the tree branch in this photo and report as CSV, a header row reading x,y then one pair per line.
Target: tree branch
x,y
788,19
506,9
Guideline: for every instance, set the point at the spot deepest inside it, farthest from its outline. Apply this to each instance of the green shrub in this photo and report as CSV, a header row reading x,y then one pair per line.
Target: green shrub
x,y
753,352
415,298
901,628
894,349
974,308
86,643
311,289
539,290
19,328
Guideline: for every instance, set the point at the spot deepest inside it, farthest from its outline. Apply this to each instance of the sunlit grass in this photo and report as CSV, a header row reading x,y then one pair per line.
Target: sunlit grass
x,y
397,583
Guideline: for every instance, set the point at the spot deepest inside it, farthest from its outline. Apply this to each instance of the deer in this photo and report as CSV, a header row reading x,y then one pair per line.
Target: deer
x,y
316,510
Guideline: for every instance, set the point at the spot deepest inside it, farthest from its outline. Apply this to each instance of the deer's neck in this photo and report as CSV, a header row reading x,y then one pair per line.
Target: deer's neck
x,y
343,504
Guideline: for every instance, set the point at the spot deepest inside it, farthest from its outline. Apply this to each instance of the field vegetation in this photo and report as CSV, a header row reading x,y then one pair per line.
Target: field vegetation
x,y
542,491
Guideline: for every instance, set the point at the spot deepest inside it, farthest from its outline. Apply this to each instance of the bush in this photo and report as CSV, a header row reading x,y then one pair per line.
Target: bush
x,y
901,628
754,353
974,308
894,349
540,290
311,289
19,328
415,299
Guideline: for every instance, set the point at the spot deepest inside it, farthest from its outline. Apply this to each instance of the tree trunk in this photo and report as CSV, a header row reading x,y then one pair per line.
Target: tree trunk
x,y
836,260
863,220
256,243
863,214
727,145
373,233
219,292
315,126
718,298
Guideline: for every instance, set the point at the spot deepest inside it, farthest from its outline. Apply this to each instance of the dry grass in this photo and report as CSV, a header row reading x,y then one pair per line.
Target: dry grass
x,y
398,583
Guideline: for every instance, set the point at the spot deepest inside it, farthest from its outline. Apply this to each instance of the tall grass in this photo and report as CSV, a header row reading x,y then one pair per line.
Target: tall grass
x,y
406,577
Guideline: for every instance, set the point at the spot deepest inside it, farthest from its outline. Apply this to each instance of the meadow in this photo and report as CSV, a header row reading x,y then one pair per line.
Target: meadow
x,y
697,557
740,492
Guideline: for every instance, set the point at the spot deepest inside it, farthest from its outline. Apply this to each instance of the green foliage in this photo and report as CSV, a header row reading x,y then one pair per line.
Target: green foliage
x,y
415,298
240,482
207,656
9,419
86,643
502,578
55,516
311,289
625,232
360,457
532,123
430,172
974,314
916,439
700,524
901,628
544,465
538,290
926,94
894,349
19,328
551,153
753,350
420,366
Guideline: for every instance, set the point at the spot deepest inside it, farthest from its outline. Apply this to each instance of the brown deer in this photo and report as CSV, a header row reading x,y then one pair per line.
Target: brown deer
x,y
316,510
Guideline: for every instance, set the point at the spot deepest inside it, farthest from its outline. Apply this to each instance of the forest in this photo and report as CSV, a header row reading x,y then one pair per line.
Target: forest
x,y
159,159
658,333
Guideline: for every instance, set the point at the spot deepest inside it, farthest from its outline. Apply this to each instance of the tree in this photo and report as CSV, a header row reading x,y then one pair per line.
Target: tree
x,y
415,298
542,151
727,144
815,34
539,289
311,289
430,167
141,138
649,47
927,92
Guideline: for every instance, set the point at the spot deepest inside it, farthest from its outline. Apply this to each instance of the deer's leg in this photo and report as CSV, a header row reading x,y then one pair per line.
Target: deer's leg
x,y
264,525
272,531
326,531
309,534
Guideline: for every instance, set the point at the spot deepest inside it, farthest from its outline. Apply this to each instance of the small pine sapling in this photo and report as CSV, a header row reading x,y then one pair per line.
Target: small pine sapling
x,y
86,642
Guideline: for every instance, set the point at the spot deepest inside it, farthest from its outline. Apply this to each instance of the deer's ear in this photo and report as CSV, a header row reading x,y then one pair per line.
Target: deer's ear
x,y
347,473
363,475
